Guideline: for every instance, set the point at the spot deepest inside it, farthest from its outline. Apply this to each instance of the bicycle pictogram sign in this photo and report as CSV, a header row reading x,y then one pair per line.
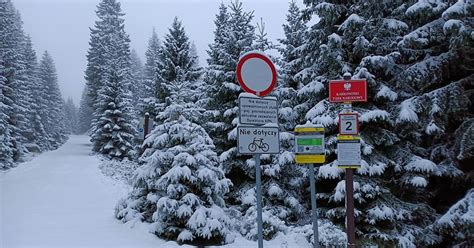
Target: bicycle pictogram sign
x,y
258,143
258,140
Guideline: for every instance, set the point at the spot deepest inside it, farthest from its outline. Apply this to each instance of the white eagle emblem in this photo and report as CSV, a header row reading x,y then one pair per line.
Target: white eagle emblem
x,y
347,86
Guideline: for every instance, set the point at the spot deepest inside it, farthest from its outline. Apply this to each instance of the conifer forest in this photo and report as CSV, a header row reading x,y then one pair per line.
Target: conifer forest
x,y
149,156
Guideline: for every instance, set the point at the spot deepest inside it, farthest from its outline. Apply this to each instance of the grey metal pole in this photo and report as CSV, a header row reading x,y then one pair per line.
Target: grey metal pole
x,y
312,184
259,200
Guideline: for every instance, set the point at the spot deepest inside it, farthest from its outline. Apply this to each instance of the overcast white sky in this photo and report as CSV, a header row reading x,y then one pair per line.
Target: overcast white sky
x,y
62,28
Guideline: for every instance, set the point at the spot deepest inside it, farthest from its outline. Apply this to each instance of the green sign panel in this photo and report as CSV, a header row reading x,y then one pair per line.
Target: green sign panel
x,y
310,142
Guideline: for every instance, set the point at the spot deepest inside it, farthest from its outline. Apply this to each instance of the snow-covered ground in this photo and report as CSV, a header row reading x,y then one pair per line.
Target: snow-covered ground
x,y
61,199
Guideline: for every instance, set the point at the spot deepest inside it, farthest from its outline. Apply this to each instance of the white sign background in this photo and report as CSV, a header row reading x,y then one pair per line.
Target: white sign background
x,y
141,127
257,111
348,153
348,124
257,74
258,140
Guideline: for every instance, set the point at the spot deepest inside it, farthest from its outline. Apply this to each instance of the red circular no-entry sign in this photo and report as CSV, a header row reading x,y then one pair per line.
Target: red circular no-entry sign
x,y
256,74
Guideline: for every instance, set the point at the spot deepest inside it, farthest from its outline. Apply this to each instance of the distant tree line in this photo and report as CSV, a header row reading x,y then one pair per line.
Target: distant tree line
x,y
32,110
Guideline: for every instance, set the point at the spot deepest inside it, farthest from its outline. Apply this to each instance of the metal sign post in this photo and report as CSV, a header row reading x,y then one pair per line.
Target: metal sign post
x,y
312,184
257,75
258,180
310,149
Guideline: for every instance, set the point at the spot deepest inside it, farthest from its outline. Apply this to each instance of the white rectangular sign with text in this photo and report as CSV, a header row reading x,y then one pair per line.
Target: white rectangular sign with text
x,y
348,153
258,140
257,111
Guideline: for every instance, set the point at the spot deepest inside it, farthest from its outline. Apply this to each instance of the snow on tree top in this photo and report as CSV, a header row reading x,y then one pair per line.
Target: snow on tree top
x,y
386,92
373,115
456,10
250,95
394,24
335,38
419,182
253,51
407,112
451,26
462,211
432,128
434,6
309,124
347,74
352,20
419,164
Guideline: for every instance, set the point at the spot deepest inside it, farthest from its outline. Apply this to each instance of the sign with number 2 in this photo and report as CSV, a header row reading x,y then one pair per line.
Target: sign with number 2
x,y
348,124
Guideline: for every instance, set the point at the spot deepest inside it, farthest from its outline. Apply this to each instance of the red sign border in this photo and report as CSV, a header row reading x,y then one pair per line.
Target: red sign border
x,y
266,60
341,80
357,123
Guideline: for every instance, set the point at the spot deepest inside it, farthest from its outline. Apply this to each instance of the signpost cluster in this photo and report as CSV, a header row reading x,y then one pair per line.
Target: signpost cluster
x,y
348,140
257,132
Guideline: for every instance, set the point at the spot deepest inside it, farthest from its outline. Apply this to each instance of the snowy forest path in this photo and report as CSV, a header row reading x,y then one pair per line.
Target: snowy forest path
x,y
61,199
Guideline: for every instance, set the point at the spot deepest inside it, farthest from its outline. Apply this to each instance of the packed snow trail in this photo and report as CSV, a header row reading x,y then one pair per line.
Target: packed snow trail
x,y
61,199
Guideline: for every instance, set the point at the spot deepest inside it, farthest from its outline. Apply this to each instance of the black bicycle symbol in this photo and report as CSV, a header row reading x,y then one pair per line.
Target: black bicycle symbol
x,y
258,143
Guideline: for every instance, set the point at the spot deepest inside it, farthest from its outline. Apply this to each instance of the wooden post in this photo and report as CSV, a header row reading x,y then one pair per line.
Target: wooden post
x,y
351,241
350,218
145,125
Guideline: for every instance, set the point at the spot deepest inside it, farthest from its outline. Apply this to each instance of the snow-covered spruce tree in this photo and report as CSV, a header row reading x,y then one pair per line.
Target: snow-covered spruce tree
x,y
175,62
98,44
180,188
71,117
108,11
37,135
113,129
52,115
14,101
295,30
23,92
148,101
214,74
435,116
233,37
457,222
390,194
7,51
86,111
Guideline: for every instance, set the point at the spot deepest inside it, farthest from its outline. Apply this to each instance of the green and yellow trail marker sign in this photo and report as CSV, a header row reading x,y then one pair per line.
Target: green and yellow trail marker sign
x,y
309,147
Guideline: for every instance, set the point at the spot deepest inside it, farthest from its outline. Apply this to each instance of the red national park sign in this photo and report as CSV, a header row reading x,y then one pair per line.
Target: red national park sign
x,y
348,91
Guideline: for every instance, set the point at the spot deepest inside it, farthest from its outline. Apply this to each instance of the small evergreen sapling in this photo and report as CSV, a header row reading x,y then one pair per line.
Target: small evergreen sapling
x,y
179,188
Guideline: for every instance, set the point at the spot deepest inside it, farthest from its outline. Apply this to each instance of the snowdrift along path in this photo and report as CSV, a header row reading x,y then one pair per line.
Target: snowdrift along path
x,y
61,199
